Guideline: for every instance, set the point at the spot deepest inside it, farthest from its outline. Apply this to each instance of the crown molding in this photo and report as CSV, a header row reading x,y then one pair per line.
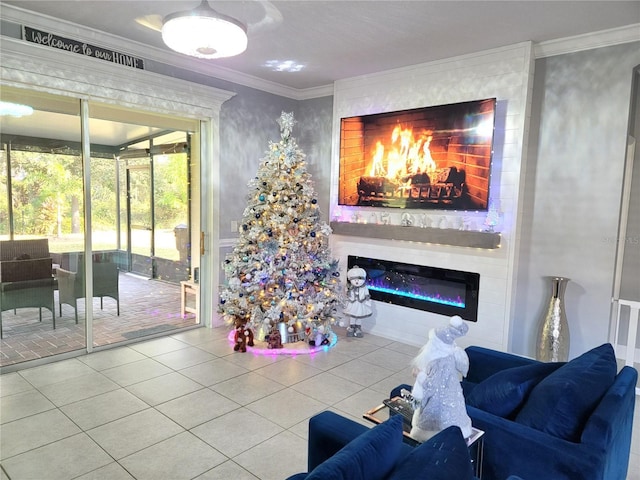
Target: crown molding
x,y
57,71
81,33
588,41
314,92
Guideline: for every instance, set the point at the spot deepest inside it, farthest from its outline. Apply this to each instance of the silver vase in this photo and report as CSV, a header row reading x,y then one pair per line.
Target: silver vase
x,y
553,334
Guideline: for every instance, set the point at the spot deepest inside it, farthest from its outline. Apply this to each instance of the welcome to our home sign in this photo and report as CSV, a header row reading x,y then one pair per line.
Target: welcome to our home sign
x,y
54,41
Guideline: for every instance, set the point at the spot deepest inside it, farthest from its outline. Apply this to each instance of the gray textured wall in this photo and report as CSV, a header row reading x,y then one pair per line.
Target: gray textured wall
x,y
314,137
248,122
572,191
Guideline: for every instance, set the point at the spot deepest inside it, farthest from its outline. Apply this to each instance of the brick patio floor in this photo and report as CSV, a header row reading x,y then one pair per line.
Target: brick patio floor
x,y
146,307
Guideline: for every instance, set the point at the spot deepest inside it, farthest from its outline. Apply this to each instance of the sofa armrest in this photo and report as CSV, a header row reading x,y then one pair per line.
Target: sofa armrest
x,y
328,433
610,426
511,448
614,413
484,362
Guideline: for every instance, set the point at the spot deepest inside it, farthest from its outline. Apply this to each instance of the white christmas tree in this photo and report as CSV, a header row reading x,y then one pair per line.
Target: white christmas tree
x,y
281,269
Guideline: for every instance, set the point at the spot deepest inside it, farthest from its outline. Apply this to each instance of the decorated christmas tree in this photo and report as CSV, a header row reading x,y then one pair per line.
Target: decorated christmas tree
x,y
280,274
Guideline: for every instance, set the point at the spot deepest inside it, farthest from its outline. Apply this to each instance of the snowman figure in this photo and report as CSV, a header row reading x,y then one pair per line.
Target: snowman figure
x,y
438,398
358,304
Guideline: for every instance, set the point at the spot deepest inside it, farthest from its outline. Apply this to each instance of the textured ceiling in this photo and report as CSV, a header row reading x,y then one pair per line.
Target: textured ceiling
x,y
331,40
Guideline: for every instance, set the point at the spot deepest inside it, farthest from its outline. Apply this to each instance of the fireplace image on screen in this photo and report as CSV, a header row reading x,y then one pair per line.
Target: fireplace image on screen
x,y
436,290
433,157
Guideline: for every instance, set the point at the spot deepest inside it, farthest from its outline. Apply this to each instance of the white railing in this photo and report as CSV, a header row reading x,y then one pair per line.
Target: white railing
x,y
627,351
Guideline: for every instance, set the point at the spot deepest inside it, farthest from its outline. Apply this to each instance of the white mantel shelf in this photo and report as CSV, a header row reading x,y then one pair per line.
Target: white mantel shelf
x,y
441,236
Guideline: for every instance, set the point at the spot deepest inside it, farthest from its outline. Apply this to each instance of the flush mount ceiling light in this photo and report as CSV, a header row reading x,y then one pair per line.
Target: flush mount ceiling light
x,y
204,33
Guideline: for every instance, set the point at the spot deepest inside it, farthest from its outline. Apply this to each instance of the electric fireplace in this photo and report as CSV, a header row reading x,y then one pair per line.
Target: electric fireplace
x,y
431,289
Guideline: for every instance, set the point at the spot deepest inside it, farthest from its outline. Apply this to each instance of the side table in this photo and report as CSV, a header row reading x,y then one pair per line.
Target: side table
x,y
188,287
475,442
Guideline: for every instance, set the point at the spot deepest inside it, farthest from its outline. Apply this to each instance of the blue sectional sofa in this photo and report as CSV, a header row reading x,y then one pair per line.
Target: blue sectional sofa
x,y
552,421
341,449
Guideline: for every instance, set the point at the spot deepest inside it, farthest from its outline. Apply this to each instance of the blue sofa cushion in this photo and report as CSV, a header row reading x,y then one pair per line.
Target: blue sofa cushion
x,y
561,403
369,456
443,457
504,392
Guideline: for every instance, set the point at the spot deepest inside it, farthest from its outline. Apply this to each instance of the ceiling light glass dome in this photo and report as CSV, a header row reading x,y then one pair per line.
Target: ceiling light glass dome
x,y
204,33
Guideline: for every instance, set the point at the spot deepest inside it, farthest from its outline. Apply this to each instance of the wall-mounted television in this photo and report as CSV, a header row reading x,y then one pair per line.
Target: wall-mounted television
x,y
436,157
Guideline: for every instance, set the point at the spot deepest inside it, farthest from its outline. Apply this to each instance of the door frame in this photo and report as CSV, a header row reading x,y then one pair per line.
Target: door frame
x,y
39,68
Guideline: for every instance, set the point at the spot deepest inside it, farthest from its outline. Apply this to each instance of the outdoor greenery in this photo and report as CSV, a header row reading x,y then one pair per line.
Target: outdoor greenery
x,y
47,197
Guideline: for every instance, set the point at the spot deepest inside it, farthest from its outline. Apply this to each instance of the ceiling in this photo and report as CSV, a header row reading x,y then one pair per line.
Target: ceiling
x,y
327,41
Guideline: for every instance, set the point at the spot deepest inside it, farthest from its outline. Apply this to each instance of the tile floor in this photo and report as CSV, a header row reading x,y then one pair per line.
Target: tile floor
x,y
188,407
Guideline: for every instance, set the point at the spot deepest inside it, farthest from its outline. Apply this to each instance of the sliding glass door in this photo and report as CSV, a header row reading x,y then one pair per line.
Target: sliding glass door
x,y
140,226
41,183
115,229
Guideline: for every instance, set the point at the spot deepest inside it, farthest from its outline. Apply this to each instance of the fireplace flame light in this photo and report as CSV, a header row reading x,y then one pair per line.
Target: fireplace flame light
x,y
427,298
403,155
437,290
411,289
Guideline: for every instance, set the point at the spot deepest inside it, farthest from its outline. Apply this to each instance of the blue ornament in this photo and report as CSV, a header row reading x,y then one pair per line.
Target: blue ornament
x,y
257,215
313,234
245,227
314,201
262,197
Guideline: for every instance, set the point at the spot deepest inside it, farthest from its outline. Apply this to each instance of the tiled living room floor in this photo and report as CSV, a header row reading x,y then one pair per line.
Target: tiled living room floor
x,y
188,407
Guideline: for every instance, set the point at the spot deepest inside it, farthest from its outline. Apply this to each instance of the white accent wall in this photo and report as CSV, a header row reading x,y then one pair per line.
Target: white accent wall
x,y
505,73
